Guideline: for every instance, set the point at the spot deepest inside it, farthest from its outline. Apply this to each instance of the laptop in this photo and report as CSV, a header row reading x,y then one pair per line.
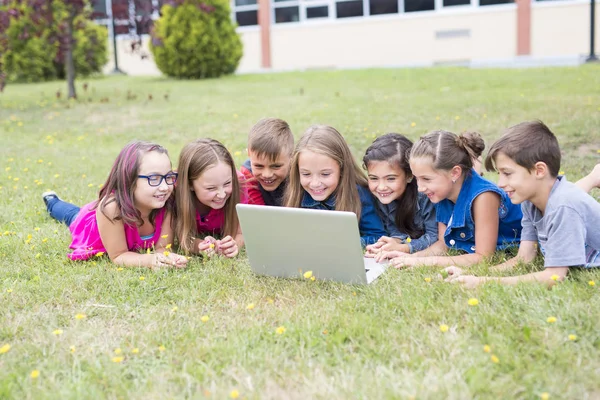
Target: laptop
x,y
288,242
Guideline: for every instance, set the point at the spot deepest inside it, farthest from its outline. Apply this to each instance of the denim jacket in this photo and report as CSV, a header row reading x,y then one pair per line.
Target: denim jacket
x,y
424,218
369,225
458,218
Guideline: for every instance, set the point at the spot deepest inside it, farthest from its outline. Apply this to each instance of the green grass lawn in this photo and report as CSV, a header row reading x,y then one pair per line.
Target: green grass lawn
x,y
143,335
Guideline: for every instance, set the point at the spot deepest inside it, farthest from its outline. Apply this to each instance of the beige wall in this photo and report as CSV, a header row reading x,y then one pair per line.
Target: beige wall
x,y
251,60
400,40
562,29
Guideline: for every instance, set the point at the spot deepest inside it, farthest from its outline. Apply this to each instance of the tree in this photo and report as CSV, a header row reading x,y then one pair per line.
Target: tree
x,y
64,14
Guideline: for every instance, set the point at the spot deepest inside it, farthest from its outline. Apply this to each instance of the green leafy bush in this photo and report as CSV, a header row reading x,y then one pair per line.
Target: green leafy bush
x,y
196,39
32,50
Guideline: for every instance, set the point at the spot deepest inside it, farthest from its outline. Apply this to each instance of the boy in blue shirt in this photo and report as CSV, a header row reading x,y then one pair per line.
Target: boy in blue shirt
x,y
559,216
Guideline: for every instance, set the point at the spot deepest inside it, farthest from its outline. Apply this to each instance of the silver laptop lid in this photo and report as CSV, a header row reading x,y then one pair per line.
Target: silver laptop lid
x,y
286,242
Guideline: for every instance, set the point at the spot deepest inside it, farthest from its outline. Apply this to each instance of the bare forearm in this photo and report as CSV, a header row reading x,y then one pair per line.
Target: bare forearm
x,y
445,261
548,276
132,259
436,249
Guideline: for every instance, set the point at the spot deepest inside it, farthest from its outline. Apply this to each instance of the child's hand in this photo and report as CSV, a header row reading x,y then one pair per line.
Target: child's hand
x,y
227,247
385,255
162,260
208,246
450,273
468,281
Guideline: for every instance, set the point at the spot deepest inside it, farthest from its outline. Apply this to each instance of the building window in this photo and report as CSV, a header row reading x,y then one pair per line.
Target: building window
x,y
494,2
378,7
451,3
348,9
245,12
317,12
419,5
287,14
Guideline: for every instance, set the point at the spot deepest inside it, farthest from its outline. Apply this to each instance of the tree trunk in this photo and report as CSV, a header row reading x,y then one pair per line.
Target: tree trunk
x,y
69,64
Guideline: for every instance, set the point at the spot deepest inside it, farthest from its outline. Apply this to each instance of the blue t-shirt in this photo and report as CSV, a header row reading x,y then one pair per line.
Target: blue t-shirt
x,y
458,218
369,225
568,232
424,219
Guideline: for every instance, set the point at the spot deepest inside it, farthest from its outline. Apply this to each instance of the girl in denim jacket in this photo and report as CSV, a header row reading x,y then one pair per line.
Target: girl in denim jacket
x,y
474,215
324,176
407,215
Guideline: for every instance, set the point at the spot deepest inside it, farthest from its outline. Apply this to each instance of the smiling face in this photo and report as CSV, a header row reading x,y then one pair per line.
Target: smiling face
x,y
387,182
319,174
214,186
146,197
269,173
519,183
436,184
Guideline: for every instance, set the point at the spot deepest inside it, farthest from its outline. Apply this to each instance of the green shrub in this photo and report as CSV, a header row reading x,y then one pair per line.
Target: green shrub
x,y
32,51
196,39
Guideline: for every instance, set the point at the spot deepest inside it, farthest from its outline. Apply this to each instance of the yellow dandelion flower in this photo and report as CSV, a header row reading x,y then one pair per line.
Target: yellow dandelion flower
x,y
25,169
38,255
80,316
234,394
280,330
444,328
34,374
561,172
551,320
592,283
72,349
168,246
164,236
90,184
166,253
57,332
5,348
142,278
117,359
473,301
413,124
8,290
427,279
353,293
312,278
40,161
174,309
120,269
148,250
308,274
161,348
270,300
237,153
211,246
204,318
44,240
100,254
56,175
250,306
457,117
16,179
544,396
572,337
554,277
408,240
494,359
135,350
487,349
118,351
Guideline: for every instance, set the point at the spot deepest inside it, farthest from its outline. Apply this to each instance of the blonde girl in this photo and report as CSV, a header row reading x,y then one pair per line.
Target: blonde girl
x,y
325,176
206,195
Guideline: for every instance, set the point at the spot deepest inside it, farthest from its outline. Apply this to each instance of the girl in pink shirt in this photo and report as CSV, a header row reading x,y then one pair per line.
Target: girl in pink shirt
x,y
206,194
130,220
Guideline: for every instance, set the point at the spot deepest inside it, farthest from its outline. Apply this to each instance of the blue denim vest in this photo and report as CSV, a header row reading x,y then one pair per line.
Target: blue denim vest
x,y
458,218
424,218
369,225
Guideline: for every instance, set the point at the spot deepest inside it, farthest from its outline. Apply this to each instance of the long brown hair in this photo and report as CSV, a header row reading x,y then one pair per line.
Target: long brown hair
x,y
325,140
195,158
122,182
394,149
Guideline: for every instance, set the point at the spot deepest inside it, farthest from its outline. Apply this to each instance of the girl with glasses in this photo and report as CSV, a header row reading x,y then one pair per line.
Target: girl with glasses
x,y
131,219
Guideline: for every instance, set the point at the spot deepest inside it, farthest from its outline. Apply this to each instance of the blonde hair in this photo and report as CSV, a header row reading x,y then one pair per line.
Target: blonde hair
x,y
195,158
271,137
448,150
325,140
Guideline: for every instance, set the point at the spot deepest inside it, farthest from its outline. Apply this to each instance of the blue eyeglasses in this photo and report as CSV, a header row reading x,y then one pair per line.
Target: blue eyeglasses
x,y
156,180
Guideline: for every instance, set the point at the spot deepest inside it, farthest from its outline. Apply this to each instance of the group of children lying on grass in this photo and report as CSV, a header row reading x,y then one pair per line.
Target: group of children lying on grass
x,y
417,202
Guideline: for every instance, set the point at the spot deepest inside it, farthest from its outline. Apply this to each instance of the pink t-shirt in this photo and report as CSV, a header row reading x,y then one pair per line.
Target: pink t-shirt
x,y
86,236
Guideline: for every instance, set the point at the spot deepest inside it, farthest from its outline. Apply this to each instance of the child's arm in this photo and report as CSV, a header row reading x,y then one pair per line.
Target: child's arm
x,y
230,247
254,194
590,181
431,234
526,254
370,225
485,217
549,276
112,234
